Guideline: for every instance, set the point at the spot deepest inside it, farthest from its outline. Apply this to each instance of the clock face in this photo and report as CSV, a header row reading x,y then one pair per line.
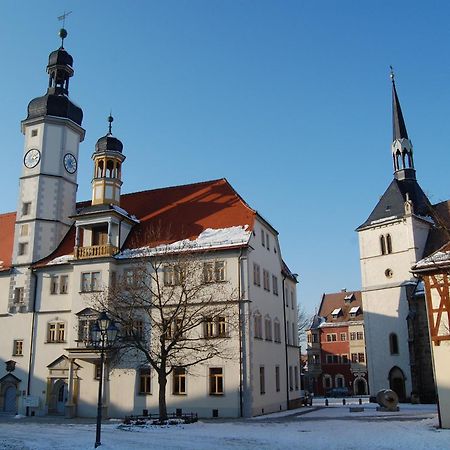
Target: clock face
x,y
70,163
32,158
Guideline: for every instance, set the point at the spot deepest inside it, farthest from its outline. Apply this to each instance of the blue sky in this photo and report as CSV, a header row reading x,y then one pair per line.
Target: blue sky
x,y
289,100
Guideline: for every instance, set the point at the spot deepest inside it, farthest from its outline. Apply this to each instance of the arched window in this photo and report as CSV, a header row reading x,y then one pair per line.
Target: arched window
x,y
99,173
388,243
109,168
383,245
398,156
393,344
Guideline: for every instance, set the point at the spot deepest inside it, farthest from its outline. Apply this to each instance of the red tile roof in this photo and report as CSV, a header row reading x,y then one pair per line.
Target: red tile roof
x,y
7,222
175,213
331,302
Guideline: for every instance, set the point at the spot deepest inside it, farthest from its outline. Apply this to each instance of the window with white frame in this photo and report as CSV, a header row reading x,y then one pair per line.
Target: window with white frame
x,y
343,336
214,271
262,380
179,381
18,295
18,347
331,337
277,330
174,274
266,280
90,281
56,332
275,285
268,328
216,381
258,325
256,275
208,326
145,381
59,284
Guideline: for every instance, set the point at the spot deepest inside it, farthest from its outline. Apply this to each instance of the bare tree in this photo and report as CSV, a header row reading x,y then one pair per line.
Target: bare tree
x,y
303,322
175,310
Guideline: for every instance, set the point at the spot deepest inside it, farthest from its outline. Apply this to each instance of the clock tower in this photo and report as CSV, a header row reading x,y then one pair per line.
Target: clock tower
x,y
48,183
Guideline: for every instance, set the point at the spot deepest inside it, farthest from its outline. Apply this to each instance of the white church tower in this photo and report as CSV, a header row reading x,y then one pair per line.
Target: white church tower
x,y
48,183
391,240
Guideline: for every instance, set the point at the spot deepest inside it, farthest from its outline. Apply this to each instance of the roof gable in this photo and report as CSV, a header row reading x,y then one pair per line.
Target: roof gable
x,y
341,307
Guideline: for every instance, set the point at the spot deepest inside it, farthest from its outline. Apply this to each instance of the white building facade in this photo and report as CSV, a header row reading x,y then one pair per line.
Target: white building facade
x,y
56,254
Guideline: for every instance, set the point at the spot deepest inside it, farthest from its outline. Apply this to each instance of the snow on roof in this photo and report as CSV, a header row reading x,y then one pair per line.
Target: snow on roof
x,y
206,240
124,213
61,259
436,259
384,219
336,311
354,310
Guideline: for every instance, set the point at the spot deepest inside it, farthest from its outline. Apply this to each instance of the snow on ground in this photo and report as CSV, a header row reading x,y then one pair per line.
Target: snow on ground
x,y
333,427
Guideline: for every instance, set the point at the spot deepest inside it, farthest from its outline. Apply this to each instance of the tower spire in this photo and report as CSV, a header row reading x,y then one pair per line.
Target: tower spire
x,y
402,149
398,123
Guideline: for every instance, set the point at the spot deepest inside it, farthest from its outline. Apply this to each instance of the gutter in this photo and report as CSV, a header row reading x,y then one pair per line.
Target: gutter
x,y
285,344
33,326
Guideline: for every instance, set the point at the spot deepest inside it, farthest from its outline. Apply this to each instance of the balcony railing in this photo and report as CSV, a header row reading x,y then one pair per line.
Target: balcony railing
x,y
95,251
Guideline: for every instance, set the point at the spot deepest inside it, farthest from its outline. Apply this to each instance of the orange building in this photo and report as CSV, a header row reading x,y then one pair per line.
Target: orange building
x,y
336,346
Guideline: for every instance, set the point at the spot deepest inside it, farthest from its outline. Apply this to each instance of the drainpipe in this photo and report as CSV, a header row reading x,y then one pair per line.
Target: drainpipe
x,y
285,344
241,376
33,326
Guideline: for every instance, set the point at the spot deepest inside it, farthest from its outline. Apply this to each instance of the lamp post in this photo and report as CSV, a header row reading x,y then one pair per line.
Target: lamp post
x,y
103,335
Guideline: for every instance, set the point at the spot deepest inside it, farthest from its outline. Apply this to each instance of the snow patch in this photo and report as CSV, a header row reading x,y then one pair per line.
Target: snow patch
x,y
435,259
61,260
384,219
207,239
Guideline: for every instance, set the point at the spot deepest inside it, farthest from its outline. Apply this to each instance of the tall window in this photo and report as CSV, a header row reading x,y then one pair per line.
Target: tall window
x,y
262,381
18,295
275,285
208,325
258,325
221,326
388,243
383,244
291,379
90,281
23,248
56,332
288,334
214,327
277,378
262,238
18,347
216,386
268,328
256,275
296,377
277,330
214,271
179,381
361,357
59,284
266,280
393,343
173,275
145,378
26,208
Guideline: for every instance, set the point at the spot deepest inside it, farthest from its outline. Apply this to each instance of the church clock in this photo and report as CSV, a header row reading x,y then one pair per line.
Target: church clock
x,y
70,163
32,158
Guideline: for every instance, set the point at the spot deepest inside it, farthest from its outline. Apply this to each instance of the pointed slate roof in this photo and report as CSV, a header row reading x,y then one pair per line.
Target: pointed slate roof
x,y
392,202
398,123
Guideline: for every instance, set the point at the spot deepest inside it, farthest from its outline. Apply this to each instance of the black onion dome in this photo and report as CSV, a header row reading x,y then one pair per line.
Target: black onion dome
x,y
55,105
110,143
60,57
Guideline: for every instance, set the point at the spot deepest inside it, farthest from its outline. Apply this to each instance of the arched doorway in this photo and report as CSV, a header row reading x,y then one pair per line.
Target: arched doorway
x,y
10,396
360,386
58,397
397,382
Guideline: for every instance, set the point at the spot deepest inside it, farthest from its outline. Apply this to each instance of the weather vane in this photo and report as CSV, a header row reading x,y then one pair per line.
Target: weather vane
x,y
392,75
110,120
63,18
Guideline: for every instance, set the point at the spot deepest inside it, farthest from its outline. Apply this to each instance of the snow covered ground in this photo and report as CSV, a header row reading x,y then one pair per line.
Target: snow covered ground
x,y
334,427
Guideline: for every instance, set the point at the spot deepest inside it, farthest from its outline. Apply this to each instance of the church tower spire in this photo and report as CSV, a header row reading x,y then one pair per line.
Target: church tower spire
x,y
402,149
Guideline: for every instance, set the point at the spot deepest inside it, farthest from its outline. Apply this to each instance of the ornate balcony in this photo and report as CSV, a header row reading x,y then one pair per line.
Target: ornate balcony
x,y
95,251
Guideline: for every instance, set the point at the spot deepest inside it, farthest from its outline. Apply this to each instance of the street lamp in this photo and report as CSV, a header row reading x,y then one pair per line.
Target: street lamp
x,y
103,335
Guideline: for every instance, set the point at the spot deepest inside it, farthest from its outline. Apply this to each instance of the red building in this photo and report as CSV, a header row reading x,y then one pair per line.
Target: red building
x,y
336,346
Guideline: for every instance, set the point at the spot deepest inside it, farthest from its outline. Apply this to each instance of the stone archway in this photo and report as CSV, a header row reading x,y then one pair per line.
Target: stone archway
x,y
397,382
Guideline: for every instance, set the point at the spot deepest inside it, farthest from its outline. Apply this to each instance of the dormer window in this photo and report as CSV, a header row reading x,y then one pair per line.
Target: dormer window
x,y
349,298
354,311
336,313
